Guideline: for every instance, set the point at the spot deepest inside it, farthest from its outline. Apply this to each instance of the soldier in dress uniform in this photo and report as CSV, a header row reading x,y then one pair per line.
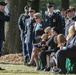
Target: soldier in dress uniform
x,y
52,19
22,28
70,18
29,27
63,16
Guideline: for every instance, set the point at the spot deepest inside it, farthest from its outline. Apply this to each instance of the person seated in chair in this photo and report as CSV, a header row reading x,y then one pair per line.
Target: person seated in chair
x,y
61,42
68,52
36,49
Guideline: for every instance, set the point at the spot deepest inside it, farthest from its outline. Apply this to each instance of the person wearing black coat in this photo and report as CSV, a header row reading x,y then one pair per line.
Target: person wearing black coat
x,y
68,52
23,30
52,47
3,18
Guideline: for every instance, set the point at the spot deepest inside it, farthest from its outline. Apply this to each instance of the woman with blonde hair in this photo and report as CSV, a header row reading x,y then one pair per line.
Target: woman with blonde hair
x,y
71,32
37,26
48,31
68,52
52,47
36,49
61,40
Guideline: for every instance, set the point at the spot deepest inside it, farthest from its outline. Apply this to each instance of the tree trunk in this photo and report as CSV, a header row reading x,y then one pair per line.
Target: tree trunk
x,y
65,4
12,42
35,5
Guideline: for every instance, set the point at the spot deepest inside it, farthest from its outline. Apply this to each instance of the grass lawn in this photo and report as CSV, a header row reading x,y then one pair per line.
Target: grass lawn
x,y
13,69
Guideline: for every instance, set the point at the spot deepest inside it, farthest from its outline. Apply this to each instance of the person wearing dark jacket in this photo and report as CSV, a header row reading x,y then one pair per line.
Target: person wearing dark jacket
x,y
29,33
52,19
52,47
22,28
68,52
3,18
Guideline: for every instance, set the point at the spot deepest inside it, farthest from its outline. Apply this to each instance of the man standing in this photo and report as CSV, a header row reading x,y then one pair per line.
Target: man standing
x,y
70,17
52,19
3,18
63,16
29,35
22,28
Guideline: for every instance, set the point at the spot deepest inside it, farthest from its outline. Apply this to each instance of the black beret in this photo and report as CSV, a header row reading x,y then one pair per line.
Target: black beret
x,y
73,9
70,10
49,5
3,3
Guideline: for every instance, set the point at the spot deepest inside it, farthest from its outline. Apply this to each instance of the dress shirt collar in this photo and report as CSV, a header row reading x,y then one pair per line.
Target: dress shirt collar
x,y
50,14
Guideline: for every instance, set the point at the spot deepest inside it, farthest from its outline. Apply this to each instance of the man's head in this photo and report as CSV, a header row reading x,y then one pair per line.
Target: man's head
x,y
63,12
50,7
31,11
70,12
2,6
26,9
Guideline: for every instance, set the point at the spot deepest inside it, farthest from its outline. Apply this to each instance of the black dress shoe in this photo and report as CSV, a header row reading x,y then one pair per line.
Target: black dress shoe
x,y
26,60
1,68
47,69
42,68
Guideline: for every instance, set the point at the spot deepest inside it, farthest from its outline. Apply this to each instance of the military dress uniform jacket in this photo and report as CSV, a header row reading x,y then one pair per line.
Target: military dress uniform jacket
x,y
3,18
29,33
53,20
21,21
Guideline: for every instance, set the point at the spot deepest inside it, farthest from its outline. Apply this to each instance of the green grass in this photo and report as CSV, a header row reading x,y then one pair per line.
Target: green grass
x,y
15,69
11,69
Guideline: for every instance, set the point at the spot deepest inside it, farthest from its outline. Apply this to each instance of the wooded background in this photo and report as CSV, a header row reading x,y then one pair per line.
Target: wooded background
x,y
12,43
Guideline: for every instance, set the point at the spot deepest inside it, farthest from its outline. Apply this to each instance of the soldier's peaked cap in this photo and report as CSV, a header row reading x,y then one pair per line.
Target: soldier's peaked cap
x,y
49,5
3,3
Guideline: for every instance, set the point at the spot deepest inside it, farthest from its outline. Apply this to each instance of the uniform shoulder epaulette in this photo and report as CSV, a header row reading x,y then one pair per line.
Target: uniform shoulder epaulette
x,y
55,13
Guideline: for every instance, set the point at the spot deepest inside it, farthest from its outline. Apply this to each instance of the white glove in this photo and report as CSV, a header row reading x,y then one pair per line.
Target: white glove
x,y
6,10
